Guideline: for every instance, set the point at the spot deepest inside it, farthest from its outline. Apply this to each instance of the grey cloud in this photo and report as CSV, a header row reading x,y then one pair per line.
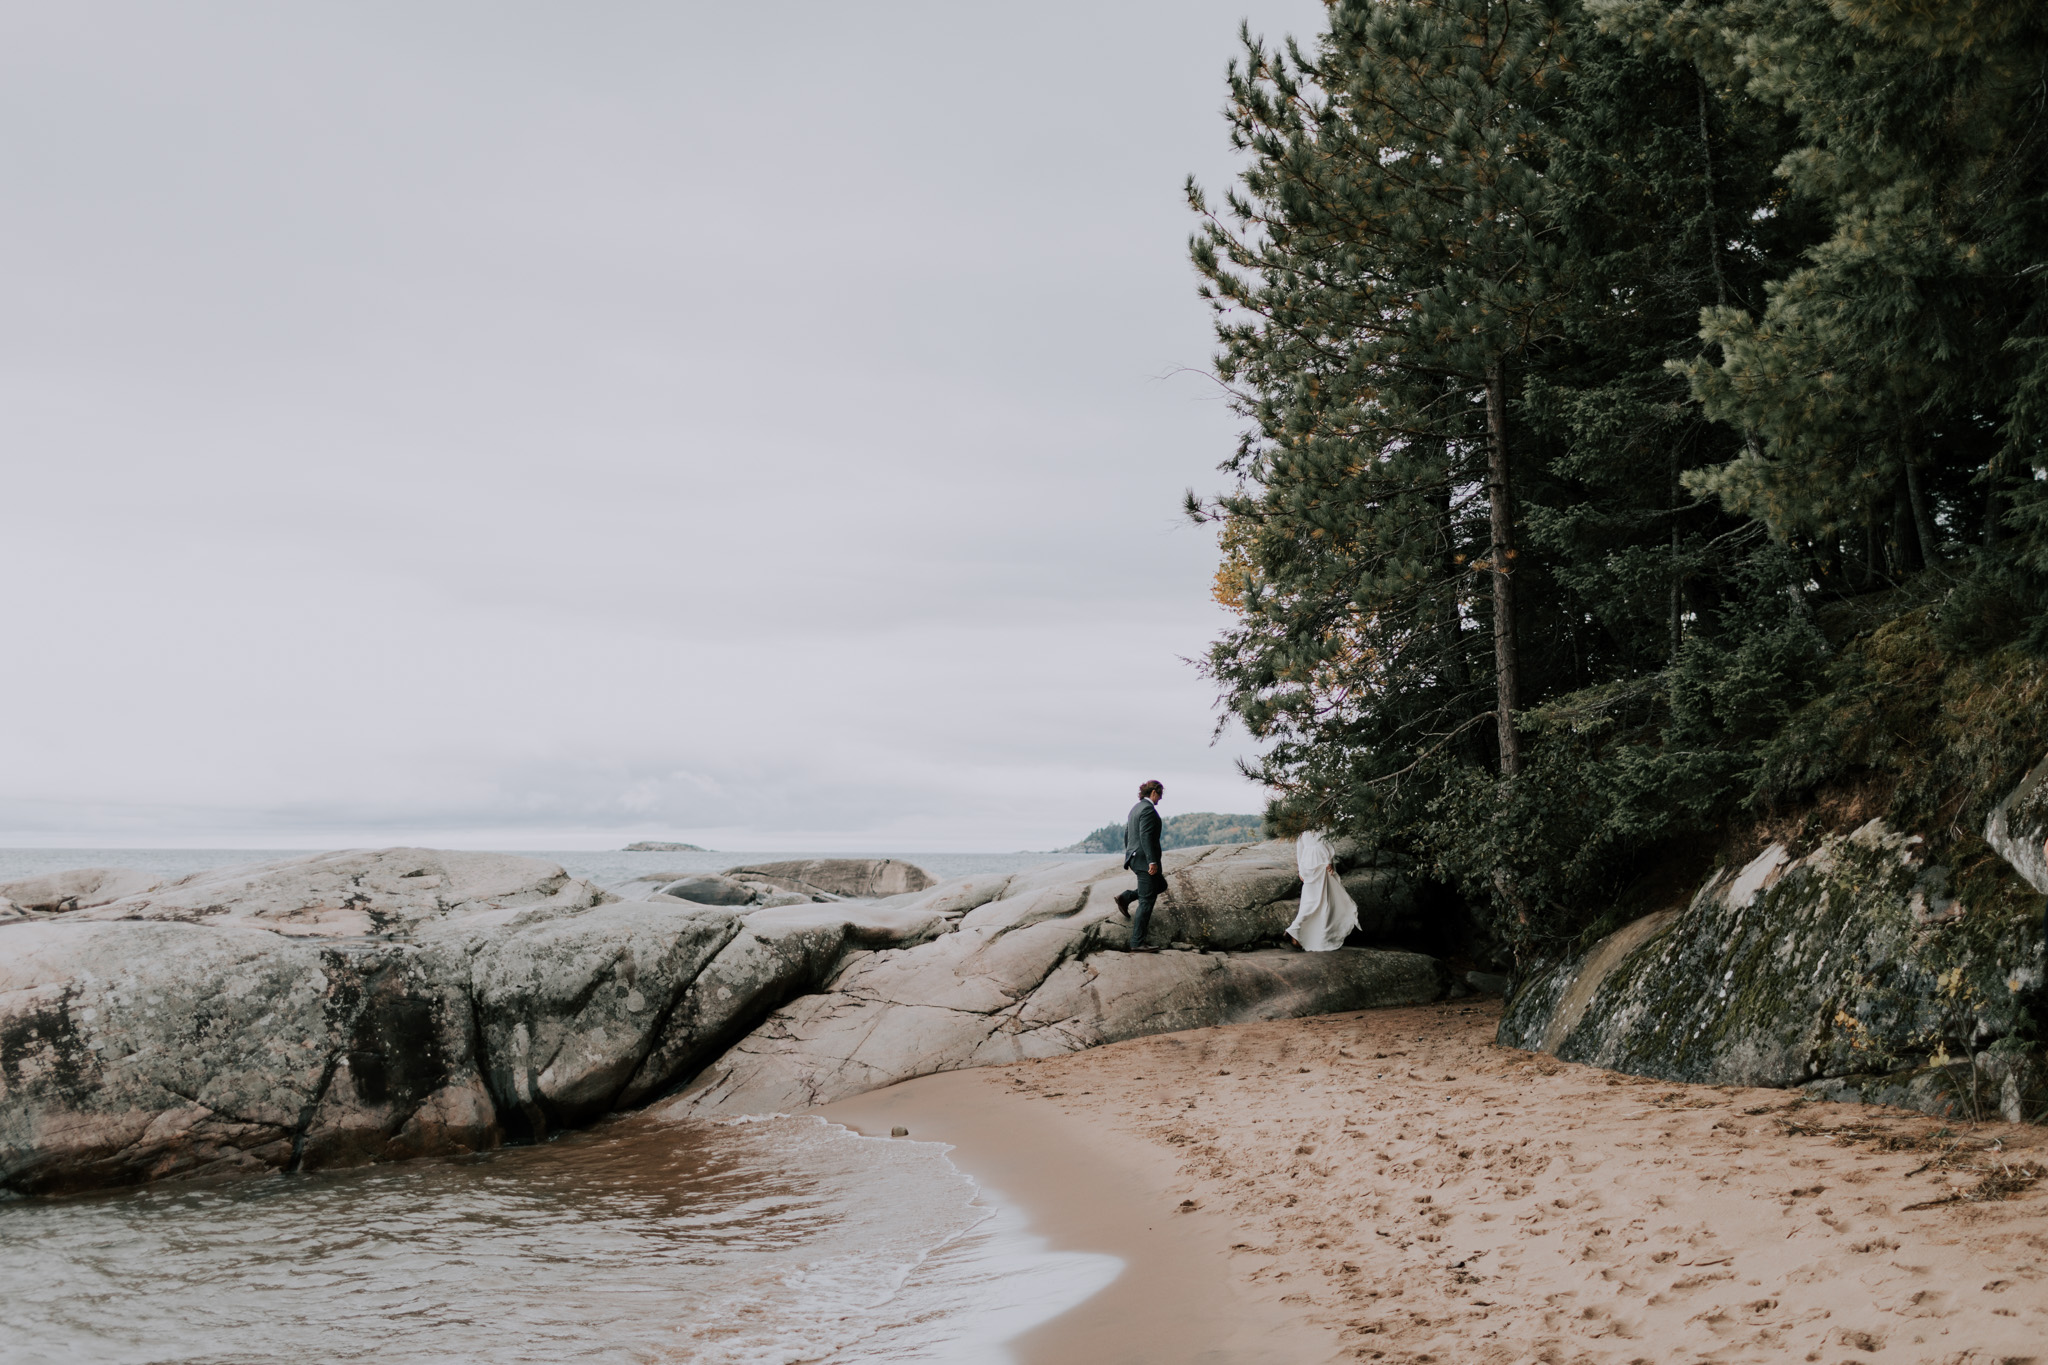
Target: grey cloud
x,y
528,418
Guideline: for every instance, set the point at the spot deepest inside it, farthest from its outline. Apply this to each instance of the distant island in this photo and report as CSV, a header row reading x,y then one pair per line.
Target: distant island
x,y
658,846
1180,831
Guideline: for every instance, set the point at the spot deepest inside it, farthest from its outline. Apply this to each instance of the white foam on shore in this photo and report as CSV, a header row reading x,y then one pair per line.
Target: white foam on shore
x,y
958,1303
983,1289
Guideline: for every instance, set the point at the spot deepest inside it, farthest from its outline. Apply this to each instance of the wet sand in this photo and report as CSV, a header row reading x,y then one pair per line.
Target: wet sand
x,y
1087,1187
1389,1185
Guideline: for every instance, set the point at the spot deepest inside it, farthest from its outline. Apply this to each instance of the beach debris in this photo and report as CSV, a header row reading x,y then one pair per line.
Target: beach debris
x,y
2003,1180
899,1131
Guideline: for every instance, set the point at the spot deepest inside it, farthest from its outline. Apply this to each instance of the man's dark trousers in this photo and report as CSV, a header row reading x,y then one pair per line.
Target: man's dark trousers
x,y
1149,888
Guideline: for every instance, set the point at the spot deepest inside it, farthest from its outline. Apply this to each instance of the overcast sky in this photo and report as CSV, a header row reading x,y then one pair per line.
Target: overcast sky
x,y
521,425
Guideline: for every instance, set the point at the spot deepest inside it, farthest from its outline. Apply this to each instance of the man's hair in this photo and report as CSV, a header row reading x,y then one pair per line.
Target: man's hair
x,y
1151,788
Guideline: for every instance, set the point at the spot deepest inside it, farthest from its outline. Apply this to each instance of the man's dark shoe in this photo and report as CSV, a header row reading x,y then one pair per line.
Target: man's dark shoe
x,y
1145,948
1123,902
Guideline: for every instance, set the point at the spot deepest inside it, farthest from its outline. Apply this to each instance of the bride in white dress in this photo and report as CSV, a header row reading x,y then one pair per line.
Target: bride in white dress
x,y
1327,911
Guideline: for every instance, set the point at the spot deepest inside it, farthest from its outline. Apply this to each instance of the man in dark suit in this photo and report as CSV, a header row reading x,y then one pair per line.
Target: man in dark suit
x,y
1142,856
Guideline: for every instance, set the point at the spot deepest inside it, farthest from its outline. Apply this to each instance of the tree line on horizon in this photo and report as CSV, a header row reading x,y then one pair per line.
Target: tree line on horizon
x,y
1190,829
1643,426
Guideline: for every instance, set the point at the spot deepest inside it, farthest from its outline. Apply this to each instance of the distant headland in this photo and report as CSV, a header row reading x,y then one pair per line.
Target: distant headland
x,y
661,846
1180,831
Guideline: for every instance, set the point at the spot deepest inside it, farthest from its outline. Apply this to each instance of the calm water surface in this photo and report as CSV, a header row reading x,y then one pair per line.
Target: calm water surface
x,y
765,1243
758,1243
607,868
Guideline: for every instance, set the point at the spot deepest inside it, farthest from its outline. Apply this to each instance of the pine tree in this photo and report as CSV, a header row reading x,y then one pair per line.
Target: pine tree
x,y
1389,259
1895,383
1470,238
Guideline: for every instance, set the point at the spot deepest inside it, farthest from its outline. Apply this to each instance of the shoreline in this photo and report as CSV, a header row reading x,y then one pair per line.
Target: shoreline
x,y
1391,1185
1174,1300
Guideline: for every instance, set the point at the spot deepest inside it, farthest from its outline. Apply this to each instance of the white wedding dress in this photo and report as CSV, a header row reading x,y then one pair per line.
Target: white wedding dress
x,y
1327,911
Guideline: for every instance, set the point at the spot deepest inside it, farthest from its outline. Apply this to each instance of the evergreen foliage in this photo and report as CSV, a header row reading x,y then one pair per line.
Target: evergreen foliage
x,y
1590,353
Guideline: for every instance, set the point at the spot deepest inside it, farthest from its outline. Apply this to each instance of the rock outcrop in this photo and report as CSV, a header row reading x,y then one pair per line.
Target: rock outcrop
x,y
1022,974
353,1007
1855,969
81,888
885,1022
382,893
2017,828
707,888
792,883
852,878
328,1010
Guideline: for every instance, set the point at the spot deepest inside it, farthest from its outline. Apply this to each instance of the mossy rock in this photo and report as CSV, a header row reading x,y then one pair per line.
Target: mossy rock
x,y
1859,959
2018,827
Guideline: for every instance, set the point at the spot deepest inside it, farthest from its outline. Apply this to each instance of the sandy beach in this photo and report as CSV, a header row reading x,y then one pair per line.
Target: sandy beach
x,y
1390,1185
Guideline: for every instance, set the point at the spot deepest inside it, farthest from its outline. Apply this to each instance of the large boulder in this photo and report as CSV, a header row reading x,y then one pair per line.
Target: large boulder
x,y
326,1011
1229,896
1857,968
870,1032
378,892
1030,969
136,1050
707,888
2017,828
569,1006
363,1006
852,878
79,889
777,954
711,888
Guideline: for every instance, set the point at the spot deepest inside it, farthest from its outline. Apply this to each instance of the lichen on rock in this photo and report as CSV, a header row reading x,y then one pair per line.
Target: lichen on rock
x,y
1858,968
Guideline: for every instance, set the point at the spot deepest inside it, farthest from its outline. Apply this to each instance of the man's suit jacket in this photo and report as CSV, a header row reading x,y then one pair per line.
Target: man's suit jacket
x,y
1141,836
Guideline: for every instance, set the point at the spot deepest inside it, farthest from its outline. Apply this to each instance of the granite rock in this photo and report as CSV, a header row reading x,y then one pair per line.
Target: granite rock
x,y
79,889
708,888
325,1011
850,878
1855,967
362,1006
2017,827
378,892
130,1051
1032,968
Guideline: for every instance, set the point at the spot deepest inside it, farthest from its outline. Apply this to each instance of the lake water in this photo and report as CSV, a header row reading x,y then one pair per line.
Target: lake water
x,y
607,868
765,1242
756,1243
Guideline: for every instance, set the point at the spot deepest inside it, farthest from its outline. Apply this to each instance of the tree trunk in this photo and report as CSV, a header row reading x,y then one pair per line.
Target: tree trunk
x,y
1713,233
1923,524
1506,668
1450,622
1905,541
1677,622
1990,504
1471,743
